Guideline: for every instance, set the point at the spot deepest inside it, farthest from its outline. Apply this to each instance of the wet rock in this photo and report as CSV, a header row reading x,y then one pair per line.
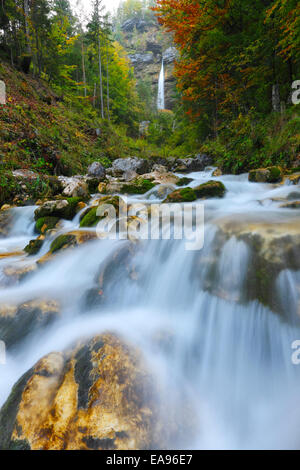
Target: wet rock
x,y
62,209
17,322
33,247
6,222
197,163
17,272
63,242
90,217
293,196
123,165
271,174
181,195
97,170
184,181
218,172
138,186
293,179
43,224
210,189
291,205
273,249
99,395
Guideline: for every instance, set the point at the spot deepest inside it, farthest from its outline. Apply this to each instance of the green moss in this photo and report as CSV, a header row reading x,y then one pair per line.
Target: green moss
x,y
90,218
181,195
184,181
62,241
48,222
210,189
275,174
33,247
138,186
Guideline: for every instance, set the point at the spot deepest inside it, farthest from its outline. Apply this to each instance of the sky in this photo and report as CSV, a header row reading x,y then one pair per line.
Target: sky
x,y
86,5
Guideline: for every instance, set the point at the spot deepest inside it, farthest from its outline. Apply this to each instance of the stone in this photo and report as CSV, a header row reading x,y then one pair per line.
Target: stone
x,y
170,55
210,189
33,247
96,169
99,395
123,165
181,195
216,173
62,209
17,322
197,163
291,205
271,174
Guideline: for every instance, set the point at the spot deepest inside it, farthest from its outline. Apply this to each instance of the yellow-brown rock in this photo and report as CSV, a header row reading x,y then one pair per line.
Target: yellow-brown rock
x,y
100,395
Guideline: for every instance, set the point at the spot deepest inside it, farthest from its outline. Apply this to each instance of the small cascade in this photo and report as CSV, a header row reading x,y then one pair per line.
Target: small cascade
x,y
161,88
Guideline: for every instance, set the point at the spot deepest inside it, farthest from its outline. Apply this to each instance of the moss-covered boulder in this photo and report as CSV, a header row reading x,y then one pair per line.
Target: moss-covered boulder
x,y
272,174
62,209
210,189
43,224
6,222
33,247
17,322
90,217
62,242
138,186
184,181
98,396
181,195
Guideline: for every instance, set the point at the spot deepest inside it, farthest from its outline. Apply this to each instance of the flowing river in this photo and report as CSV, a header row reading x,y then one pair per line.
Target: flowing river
x,y
228,351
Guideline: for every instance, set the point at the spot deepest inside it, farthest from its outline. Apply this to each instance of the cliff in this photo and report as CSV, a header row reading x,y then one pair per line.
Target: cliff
x,y
147,44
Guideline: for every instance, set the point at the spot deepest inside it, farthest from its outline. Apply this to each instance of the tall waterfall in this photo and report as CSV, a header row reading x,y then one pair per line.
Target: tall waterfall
x,y
161,88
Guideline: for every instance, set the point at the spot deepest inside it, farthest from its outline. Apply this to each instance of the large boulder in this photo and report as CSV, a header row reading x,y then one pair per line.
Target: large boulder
x,y
272,174
210,189
197,163
99,395
61,209
181,195
74,187
96,170
123,165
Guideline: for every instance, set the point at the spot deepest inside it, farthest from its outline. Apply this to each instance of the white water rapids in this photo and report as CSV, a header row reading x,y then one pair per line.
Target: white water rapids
x,y
230,359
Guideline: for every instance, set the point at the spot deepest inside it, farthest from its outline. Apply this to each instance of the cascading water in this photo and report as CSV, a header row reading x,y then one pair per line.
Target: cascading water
x,y
229,354
161,88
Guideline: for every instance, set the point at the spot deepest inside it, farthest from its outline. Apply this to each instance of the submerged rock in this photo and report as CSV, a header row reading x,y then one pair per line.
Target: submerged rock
x,y
17,322
33,247
100,396
272,174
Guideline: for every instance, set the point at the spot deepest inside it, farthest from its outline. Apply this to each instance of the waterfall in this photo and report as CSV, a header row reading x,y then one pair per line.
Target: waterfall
x,y
161,88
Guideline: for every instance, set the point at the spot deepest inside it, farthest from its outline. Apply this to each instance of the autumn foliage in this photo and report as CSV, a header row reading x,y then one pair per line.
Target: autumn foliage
x,y
232,52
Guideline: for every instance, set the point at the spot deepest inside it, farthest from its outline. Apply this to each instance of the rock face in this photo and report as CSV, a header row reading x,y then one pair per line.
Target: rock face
x,y
97,396
147,46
